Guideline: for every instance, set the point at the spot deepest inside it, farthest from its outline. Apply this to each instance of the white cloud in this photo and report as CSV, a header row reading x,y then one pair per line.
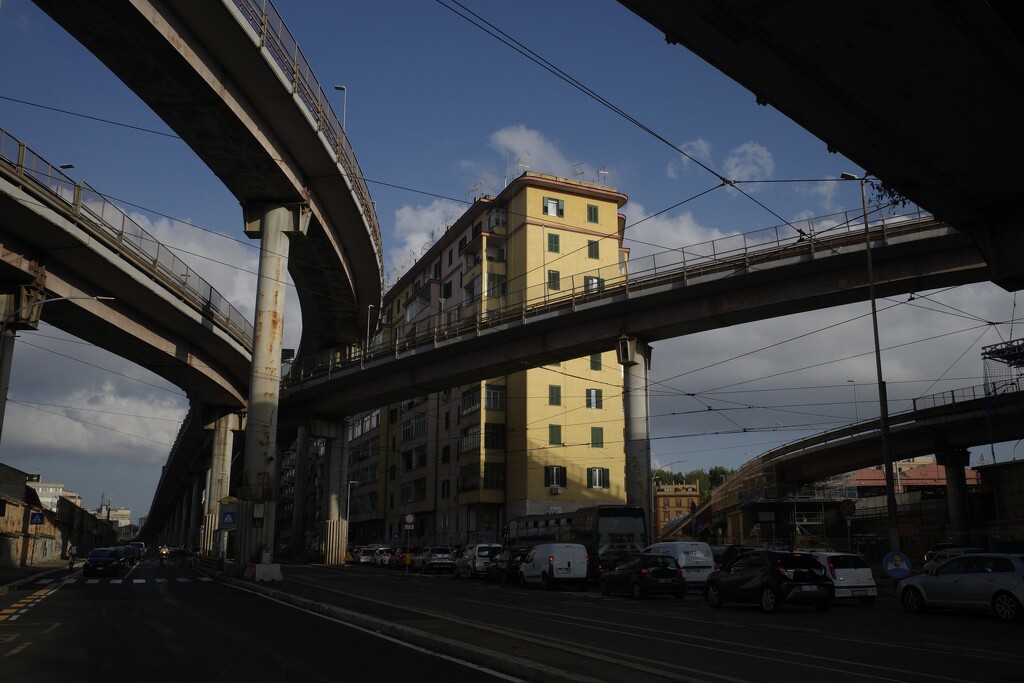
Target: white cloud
x,y
524,147
699,149
749,161
416,229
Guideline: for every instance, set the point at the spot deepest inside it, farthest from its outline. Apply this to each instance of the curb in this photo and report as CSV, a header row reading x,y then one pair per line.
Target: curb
x,y
17,584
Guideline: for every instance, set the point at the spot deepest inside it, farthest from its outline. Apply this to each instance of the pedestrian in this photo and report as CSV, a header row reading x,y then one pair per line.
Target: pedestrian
x,y
72,554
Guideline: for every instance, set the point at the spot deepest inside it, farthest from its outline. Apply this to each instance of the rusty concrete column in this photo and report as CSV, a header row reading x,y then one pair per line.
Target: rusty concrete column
x,y
272,225
299,521
955,460
224,428
635,357
334,534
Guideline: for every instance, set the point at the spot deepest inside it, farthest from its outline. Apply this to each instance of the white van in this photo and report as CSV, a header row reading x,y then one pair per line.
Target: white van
x,y
694,557
551,564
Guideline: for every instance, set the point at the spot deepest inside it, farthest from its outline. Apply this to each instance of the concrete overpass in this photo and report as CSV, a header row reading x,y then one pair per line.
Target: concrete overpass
x,y
926,96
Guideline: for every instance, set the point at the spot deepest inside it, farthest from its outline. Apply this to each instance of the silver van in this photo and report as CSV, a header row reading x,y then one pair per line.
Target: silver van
x,y
694,557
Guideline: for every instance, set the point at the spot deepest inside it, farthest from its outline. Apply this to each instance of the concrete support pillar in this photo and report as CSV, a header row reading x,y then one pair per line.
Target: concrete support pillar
x,y
183,508
224,428
193,514
272,225
635,357
955,460
299,520
334,534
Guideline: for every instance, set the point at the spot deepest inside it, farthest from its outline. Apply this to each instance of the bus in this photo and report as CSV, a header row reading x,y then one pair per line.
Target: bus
x,y
607,531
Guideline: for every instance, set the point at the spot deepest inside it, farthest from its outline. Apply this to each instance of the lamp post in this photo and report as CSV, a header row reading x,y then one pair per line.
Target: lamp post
x,y
654,497
856,410
368,317
7,350
883,400
344,104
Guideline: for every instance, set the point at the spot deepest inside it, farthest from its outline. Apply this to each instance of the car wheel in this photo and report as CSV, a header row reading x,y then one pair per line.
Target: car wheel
x,y
713,595
769,599
823,605
912,600
604,588
1006,607
867,602
545,581
636,591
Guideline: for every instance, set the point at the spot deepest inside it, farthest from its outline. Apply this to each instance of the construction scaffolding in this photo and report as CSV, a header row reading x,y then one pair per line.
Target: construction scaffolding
x,y
1004,367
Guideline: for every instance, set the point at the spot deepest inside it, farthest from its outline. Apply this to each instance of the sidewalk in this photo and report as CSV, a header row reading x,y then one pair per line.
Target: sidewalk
x,y
11,578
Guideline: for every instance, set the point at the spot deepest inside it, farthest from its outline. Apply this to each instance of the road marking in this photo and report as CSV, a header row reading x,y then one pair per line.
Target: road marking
x,y
182,579
18,649
138,581
116,581
44,581
92,580
161,580
205,578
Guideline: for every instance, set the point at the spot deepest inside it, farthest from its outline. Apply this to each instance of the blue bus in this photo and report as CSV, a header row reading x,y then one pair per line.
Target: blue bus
x,y
607,531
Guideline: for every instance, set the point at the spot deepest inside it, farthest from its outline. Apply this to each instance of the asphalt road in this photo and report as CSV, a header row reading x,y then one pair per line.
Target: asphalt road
x,y
171,623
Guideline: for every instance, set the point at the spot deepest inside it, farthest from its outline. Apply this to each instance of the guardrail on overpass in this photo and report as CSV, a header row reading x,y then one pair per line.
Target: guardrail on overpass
x,y
95,214
719,258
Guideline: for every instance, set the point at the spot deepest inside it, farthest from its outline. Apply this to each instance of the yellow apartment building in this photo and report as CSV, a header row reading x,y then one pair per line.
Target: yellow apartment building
x,y
461,462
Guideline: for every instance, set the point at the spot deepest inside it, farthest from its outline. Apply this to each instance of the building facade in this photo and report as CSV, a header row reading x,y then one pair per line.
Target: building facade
x,y
452,467
672,503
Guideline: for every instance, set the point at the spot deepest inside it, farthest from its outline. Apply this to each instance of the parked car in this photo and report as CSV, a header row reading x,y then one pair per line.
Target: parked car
x,y
472,560
974,581
504,567
381,557
553,564
364,555
851,575
694,558
643,574
771,578
401,558
437,559
935,550
948,554
140,546
102,561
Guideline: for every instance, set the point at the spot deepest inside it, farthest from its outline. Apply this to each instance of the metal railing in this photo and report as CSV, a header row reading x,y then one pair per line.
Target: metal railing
x,y
727,256
115,229
272,33
955,396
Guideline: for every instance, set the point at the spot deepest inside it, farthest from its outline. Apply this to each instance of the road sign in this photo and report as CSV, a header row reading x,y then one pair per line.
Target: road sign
x,y
228,516
410,519
35,518
896,564
848,508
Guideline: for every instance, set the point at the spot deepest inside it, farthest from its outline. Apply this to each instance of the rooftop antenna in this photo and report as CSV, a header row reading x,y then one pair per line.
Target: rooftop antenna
x,y
576,170
603,171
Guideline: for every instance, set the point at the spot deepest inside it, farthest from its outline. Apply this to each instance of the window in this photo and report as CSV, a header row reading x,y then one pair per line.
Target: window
x,y
554,435
445,489
462,244
496,284
553,207
597,437
554,475
595,398
494,397
597,477
553,244
595,361
554,280
554,395
446,454
494,435
449,257
446,290
593,284
592,215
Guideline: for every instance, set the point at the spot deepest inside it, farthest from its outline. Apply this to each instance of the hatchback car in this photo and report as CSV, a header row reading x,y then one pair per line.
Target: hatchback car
x,y
102,561
851,576
948,554
977,581
644,574
504,567
771,578
472,560
437,559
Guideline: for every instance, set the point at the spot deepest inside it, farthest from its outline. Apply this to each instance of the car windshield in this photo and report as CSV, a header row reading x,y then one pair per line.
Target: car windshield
x,y
440,551
488,550
666,561
847,562
101,553
797,561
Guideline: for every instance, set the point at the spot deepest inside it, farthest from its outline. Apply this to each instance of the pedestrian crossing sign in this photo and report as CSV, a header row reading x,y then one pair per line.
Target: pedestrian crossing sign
x,y
35,518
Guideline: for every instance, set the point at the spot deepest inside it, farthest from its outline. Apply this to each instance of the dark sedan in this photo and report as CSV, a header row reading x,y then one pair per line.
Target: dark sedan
x,y
644,574
504,567
102,561
771,578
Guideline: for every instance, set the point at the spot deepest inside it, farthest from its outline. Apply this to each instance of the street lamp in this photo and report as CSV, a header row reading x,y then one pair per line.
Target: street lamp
x,y
856,411
883,400
344,104
7,350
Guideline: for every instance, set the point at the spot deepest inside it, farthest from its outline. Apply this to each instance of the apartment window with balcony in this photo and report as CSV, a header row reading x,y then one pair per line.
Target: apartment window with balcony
x,y
494,435
554,280
463,241
554,435
494,475
595,361
496,285
595,398
597,477
414,427
591,214
555,475
553,245
553,207
494,397
470,401
469,440
597,437
554,395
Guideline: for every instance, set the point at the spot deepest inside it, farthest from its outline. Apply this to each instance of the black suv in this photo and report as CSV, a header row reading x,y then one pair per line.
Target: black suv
x,y
770,578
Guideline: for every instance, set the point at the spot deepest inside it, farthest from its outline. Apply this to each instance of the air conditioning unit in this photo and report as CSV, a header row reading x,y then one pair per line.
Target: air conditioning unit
x,y
556,490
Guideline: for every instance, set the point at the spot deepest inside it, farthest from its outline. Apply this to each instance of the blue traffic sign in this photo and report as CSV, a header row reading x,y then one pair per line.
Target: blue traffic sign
x,y
896,565
35,518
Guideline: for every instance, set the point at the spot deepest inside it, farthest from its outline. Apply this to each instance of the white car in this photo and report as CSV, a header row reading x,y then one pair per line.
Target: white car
x,y
978,581
851,575
381,557
694,558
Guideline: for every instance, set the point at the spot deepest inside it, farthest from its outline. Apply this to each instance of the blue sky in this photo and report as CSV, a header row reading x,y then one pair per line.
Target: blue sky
x,y
438,111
